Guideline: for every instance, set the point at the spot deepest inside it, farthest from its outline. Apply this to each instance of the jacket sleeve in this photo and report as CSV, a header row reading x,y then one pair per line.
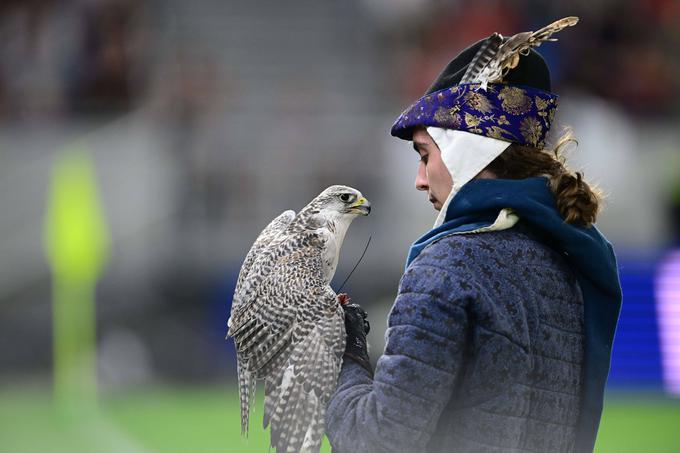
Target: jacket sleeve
x,y
399,408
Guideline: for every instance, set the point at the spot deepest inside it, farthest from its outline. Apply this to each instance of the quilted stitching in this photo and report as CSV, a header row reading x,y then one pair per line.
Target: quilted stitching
x,y
490,326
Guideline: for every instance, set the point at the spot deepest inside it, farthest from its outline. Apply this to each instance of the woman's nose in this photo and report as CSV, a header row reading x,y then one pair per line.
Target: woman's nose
x,y
421,178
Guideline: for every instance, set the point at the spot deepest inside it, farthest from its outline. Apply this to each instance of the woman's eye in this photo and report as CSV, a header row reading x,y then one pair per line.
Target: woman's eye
x,y
423,158
345,197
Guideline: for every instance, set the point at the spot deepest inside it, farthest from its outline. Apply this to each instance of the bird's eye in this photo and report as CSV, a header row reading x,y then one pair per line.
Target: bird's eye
x,y
345,197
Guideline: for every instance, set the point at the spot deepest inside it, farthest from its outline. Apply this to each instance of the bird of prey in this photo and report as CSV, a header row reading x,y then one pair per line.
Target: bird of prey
x,y
286,321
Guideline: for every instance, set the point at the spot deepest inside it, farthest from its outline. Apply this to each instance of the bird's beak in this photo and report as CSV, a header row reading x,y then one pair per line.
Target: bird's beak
x,y
361,206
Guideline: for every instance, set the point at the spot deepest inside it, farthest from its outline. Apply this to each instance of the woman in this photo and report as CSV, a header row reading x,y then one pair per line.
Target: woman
x,y
500,336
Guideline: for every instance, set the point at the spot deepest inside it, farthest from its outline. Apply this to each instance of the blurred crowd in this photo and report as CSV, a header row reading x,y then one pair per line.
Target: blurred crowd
x,y
63,59
70,58
625,52
206,119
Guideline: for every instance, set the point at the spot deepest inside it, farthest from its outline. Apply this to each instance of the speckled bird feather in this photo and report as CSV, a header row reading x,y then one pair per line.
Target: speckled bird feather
x,y
498,55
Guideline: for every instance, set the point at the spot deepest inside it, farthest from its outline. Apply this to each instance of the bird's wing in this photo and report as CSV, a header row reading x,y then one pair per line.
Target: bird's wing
x,y
254,269
293,335
263,326
261,333
271,231
297,394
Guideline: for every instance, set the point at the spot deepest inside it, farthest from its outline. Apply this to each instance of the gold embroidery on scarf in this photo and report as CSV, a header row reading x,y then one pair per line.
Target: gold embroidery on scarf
x,y
499,133
472,122
478,101
541,104
448,116
515,100
531,130
551,115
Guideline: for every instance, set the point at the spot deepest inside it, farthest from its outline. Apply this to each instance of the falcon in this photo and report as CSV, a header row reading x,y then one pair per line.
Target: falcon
x,y
287,322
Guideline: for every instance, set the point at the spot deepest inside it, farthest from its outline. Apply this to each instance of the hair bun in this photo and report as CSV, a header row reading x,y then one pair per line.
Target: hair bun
x,y
576,200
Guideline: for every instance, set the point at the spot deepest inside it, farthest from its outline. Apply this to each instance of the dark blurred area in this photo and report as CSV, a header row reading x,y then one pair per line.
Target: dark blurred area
x,y
207,119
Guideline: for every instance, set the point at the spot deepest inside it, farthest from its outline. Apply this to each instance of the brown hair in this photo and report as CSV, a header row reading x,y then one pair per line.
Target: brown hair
x,y
577,201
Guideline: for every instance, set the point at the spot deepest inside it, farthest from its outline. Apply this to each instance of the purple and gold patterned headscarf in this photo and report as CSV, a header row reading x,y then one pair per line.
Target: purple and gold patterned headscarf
x,y
517,114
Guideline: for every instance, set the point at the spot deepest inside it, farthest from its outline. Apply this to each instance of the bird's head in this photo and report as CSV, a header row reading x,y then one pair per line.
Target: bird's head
x,y
343,200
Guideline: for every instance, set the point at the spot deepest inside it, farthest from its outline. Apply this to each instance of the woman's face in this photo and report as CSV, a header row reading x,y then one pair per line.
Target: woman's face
x,y
433,176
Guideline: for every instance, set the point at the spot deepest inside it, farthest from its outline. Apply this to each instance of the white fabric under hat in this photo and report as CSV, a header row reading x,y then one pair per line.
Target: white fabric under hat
x,y
465,155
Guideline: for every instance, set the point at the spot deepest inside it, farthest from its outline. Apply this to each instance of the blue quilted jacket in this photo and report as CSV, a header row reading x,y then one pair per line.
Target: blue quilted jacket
x,y
490,343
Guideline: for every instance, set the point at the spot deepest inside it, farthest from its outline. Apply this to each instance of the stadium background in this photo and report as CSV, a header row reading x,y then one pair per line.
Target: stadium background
x,y
166,134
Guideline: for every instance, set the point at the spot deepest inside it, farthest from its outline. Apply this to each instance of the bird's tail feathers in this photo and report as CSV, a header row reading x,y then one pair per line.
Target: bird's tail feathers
x,y
246,391
297,407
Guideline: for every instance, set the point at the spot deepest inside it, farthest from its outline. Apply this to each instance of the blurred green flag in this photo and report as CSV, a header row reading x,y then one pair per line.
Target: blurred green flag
x,y
76,242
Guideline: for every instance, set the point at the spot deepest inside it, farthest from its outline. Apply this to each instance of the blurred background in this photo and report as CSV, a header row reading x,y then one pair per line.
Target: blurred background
x,y
144,144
